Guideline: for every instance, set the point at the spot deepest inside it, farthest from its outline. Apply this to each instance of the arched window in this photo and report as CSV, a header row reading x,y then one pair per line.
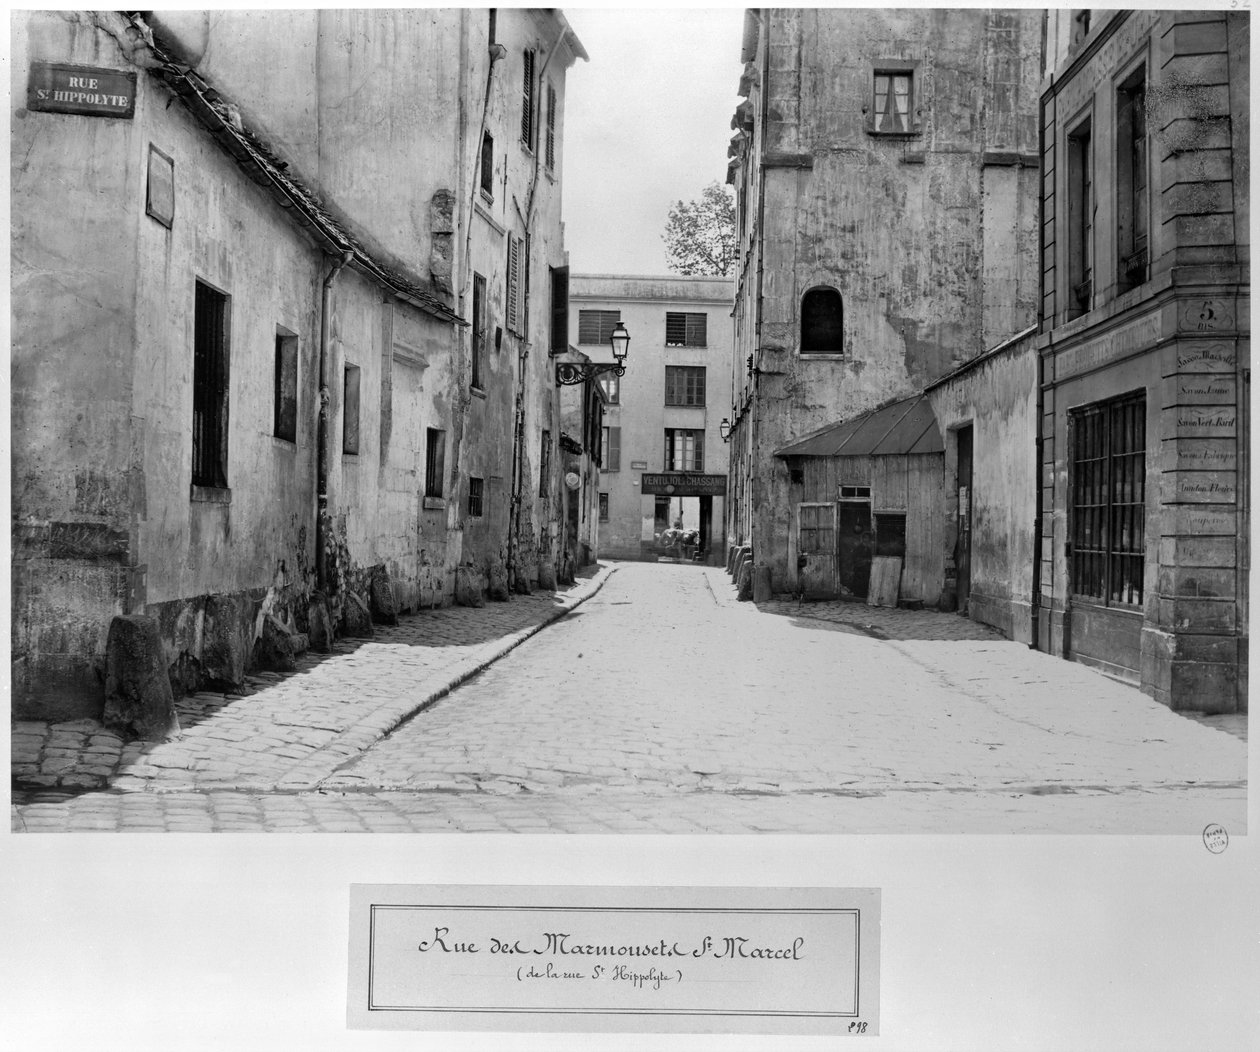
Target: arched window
x,y
822,322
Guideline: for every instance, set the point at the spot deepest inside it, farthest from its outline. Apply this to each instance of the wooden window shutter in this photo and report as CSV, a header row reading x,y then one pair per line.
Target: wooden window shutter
x,y
514,284
559,310
614,449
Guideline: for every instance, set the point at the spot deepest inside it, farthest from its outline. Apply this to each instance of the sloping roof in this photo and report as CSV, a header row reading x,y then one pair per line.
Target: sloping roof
x,y
898,429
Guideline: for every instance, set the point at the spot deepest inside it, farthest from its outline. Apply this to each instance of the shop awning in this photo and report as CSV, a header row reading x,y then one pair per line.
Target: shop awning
x,y
898,429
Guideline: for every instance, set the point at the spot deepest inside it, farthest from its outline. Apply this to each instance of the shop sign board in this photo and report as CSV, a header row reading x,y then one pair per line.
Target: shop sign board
x,y
684,484
58,87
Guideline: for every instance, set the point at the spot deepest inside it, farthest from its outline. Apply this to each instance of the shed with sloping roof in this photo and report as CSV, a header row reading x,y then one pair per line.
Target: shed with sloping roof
x,y
870,485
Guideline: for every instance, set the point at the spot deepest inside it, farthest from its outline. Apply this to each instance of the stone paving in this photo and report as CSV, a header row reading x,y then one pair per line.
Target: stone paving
x,y
290,730
662,705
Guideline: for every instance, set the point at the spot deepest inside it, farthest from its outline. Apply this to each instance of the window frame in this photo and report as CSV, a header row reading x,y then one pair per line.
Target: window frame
x,y
212,342
809,296
686,386
692,434
351,405
552,105
695,328
1081,210
528,92
487,167
610,448
893,68
476,497
1133,198
479,333
603,506
611,385
435,463
287,389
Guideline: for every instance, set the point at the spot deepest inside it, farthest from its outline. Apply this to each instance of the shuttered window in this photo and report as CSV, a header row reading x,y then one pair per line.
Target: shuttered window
x,y
527,103
478,331
611,449
1108,555
551,126
596,326
515,268
559,310
685,330
684,385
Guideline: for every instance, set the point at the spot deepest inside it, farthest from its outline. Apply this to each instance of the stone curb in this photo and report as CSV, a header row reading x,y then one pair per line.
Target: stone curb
x,y
376,725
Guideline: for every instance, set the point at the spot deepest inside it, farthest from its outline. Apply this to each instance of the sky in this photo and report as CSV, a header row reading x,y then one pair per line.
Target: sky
x,y
647,123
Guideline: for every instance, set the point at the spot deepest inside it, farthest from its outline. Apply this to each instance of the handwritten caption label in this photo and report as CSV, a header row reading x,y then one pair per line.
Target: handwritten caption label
x,y
630,959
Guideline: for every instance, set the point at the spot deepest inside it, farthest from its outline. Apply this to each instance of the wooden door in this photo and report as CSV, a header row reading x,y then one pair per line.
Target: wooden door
x,y
855,547
816,541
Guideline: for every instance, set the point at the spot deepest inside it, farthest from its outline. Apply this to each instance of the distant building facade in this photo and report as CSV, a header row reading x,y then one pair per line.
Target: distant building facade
x,y
1144,342
285,288
885,169
662,455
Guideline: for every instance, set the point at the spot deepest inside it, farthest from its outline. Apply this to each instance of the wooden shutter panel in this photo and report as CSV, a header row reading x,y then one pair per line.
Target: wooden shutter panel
x,y
513,284
559,310
614,449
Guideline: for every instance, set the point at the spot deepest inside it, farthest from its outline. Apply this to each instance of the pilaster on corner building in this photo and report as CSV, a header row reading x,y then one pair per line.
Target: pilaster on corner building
x,y
992,319
285,296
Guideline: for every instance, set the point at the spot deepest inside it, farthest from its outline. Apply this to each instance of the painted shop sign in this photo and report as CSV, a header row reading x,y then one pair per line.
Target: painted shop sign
x,y
1206,315
56,87
1205,487
1108,347
682,484
1200,455
1207,357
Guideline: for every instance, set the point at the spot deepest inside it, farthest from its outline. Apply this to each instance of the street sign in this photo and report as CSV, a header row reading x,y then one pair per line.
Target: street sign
x,y
57,87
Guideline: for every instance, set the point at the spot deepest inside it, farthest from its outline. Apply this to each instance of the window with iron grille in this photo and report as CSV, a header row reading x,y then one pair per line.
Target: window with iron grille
x,y
686,330
893,101
1108,530
478,331
551,126
527,103
435,462
610,459
476,494
487,165
350,410
210,387
684,385
684,449
596,326
1133,207
612,389
603,507
822,322
286,396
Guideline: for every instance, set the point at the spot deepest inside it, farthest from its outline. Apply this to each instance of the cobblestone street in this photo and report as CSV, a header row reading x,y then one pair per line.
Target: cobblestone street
x,y
658,705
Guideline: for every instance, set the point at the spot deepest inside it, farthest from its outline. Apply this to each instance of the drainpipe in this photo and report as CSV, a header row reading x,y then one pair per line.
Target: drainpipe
x,y
321,484
1038,441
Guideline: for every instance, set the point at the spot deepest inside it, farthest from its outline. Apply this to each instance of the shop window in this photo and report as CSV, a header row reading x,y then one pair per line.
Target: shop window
x,y
487,165
822,322
210,387
285,405
596,326
684,385
893,102
684,449
1132,200
1108,529
1080,218
603,507
350,411
435,463
686,330
476,496
478,331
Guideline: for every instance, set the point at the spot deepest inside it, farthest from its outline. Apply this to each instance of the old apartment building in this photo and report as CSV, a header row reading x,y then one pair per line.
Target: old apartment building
x,y
285,290
663,454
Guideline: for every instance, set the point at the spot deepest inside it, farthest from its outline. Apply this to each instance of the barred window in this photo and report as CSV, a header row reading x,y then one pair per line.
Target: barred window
x,y
603,507
686,330
210,387
476,494
435,462
596,326
684,449
1108,552
684,385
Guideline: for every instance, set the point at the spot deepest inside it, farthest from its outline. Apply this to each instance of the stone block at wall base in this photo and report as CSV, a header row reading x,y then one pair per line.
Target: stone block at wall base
x,y
546,575
498,590
356,618
381,594
139,702
321,630
761,591
277,647
227,644
745,591
468,589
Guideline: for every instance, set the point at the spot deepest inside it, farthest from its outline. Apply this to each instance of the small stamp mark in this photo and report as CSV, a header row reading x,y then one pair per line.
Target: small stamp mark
x,y
1215,839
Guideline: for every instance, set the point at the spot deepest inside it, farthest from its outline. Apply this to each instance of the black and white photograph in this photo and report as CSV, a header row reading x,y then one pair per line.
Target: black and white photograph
x,y
801,449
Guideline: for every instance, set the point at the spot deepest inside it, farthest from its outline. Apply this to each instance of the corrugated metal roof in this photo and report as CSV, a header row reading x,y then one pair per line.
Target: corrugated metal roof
x,y
899,429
